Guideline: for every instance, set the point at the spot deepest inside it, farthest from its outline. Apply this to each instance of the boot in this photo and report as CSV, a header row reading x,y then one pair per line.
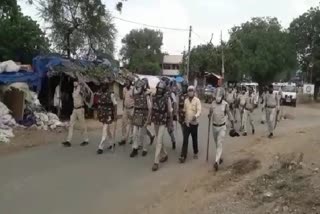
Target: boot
x,y
134,153
244,134
122,143
270,135
99,151
66,144
144,153
84,143
164,159
155,167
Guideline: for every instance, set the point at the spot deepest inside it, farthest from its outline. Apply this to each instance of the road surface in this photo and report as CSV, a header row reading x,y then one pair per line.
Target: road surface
x,y
51,179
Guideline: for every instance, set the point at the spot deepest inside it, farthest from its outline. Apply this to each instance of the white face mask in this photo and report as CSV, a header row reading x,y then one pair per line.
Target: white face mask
x,y
190,93
218,99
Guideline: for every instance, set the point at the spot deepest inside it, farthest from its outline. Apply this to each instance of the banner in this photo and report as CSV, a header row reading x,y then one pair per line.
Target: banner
x,y
308,89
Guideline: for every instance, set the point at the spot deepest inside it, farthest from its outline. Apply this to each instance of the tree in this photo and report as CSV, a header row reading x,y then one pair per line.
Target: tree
x,y
79,27
306,33
261,50
20,37
141,51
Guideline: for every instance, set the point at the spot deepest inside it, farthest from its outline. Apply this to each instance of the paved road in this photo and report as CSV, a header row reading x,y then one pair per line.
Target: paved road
x,y
55,180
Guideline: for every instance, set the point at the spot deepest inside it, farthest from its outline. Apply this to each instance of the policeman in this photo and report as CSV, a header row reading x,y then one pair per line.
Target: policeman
x,y
272,105
230,98
77,114
242,101
249,106
107,114
219,111
161,115
149,93
262,103
141,114
181,114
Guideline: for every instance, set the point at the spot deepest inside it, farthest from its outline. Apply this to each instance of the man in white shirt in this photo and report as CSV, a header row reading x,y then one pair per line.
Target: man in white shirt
x,y
272,105
192,109
249,106
77,114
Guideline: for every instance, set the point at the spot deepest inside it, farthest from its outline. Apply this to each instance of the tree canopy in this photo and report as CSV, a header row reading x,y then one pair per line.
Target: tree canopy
x,y
141,51
80,28
20,37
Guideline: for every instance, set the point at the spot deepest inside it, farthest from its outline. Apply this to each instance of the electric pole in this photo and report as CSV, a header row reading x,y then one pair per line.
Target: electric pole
x,y
189,51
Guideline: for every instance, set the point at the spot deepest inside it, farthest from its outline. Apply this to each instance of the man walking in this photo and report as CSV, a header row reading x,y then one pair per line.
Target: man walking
x,y
272,105
263,100
192,109
77,114
107,114
149,93
160,114
181,100
249,106
127,114
242,101
219,112
141,116
230,98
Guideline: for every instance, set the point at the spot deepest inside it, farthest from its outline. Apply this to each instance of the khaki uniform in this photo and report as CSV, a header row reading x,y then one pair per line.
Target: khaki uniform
x,y
231,99
77,114
247,112
128,105
271,106
263,109
242,101
220,112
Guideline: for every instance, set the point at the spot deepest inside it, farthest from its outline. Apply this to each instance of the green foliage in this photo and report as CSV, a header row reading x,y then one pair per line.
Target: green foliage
x,y
306,33
261,50
141,51
20,37
79,27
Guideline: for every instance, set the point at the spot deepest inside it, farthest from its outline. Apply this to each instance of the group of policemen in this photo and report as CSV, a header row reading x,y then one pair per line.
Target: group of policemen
x,y
141,108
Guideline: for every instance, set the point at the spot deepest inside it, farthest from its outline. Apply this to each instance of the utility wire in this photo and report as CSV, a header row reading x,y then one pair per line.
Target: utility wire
x,y
152,26
199,37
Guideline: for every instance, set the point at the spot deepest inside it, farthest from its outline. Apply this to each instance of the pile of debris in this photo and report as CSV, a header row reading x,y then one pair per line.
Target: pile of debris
x,y
6,124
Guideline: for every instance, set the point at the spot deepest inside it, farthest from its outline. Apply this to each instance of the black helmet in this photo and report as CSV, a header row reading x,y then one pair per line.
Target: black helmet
x,y
166,80
161,88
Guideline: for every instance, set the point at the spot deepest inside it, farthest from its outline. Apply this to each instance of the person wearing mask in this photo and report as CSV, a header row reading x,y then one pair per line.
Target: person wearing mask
x,y
161,112
141,116
249,106
77,114
230,98
181,100
192,109
262,103
219,113
272,105
127,113
107,114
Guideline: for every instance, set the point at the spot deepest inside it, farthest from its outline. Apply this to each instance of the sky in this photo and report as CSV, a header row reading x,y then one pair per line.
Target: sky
x,y
206,17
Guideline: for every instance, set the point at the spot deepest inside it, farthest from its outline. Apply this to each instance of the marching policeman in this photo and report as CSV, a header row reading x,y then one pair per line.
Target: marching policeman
x,y
141,115
230,98
219,113
161,115
242,101
272,106
249,106
181,99
77,114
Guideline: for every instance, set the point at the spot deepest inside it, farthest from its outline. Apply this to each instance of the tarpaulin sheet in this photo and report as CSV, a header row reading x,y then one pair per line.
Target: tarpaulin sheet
x,y
21,76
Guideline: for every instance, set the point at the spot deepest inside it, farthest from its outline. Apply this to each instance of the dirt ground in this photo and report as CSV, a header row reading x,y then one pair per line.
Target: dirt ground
x,y
278,176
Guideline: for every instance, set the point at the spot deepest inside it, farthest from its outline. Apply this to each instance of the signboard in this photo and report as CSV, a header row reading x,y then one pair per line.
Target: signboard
x,y
308,89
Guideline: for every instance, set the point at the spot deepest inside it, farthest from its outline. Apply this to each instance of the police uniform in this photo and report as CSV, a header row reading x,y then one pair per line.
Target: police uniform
x,y
230,98
170,126
263,100
181,114
242,101
271,106
107,105
247,113
78,114
128,104
219,113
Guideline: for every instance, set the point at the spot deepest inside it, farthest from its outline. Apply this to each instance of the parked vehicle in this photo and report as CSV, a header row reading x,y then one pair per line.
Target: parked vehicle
x,y
289,94
208,94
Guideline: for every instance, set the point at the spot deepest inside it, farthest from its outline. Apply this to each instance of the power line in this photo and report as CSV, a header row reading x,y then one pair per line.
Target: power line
x,y
152,26
199,36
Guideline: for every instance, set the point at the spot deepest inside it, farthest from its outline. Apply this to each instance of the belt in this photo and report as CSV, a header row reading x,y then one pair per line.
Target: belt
x,y
270,106
78,107
216,125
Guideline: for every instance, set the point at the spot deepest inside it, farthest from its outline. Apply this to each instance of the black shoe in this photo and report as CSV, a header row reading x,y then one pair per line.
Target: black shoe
x,y
111,147
216,166
270,135
164,159
152,139
85,143
244,134
220,161
155,167
122,143
99,151
182,159
174,146
253,131
144,153
262,122
134,153
66,144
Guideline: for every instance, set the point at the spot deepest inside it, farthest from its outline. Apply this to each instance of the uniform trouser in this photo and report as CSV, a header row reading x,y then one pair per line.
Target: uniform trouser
x,y
160,149
219,134
139,133
270,116
241,115
193,130
245,116
106,130
127,128
281,113
263,115
78,114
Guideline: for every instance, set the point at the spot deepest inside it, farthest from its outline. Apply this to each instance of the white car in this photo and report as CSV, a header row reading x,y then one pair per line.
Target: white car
x,y
289,94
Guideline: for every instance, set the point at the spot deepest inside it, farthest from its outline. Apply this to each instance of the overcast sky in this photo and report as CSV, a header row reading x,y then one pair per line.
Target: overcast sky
x,y
205,16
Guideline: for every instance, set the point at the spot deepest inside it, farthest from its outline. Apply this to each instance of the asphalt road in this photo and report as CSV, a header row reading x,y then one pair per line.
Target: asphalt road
x,y
55,180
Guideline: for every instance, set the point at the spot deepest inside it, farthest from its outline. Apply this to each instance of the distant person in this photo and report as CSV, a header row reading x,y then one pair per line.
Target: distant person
x,y
262,103
272,105
192,109
249,106
242,101
77,114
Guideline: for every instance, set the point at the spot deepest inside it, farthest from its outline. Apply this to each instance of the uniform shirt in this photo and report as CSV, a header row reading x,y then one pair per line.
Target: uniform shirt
x,y
77,97
220,112
230,97
242,99
192,109
271,100
250,102
128,97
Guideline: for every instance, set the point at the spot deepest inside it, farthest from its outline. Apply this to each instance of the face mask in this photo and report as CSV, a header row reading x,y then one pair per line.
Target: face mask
x,y
218,100
190,93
